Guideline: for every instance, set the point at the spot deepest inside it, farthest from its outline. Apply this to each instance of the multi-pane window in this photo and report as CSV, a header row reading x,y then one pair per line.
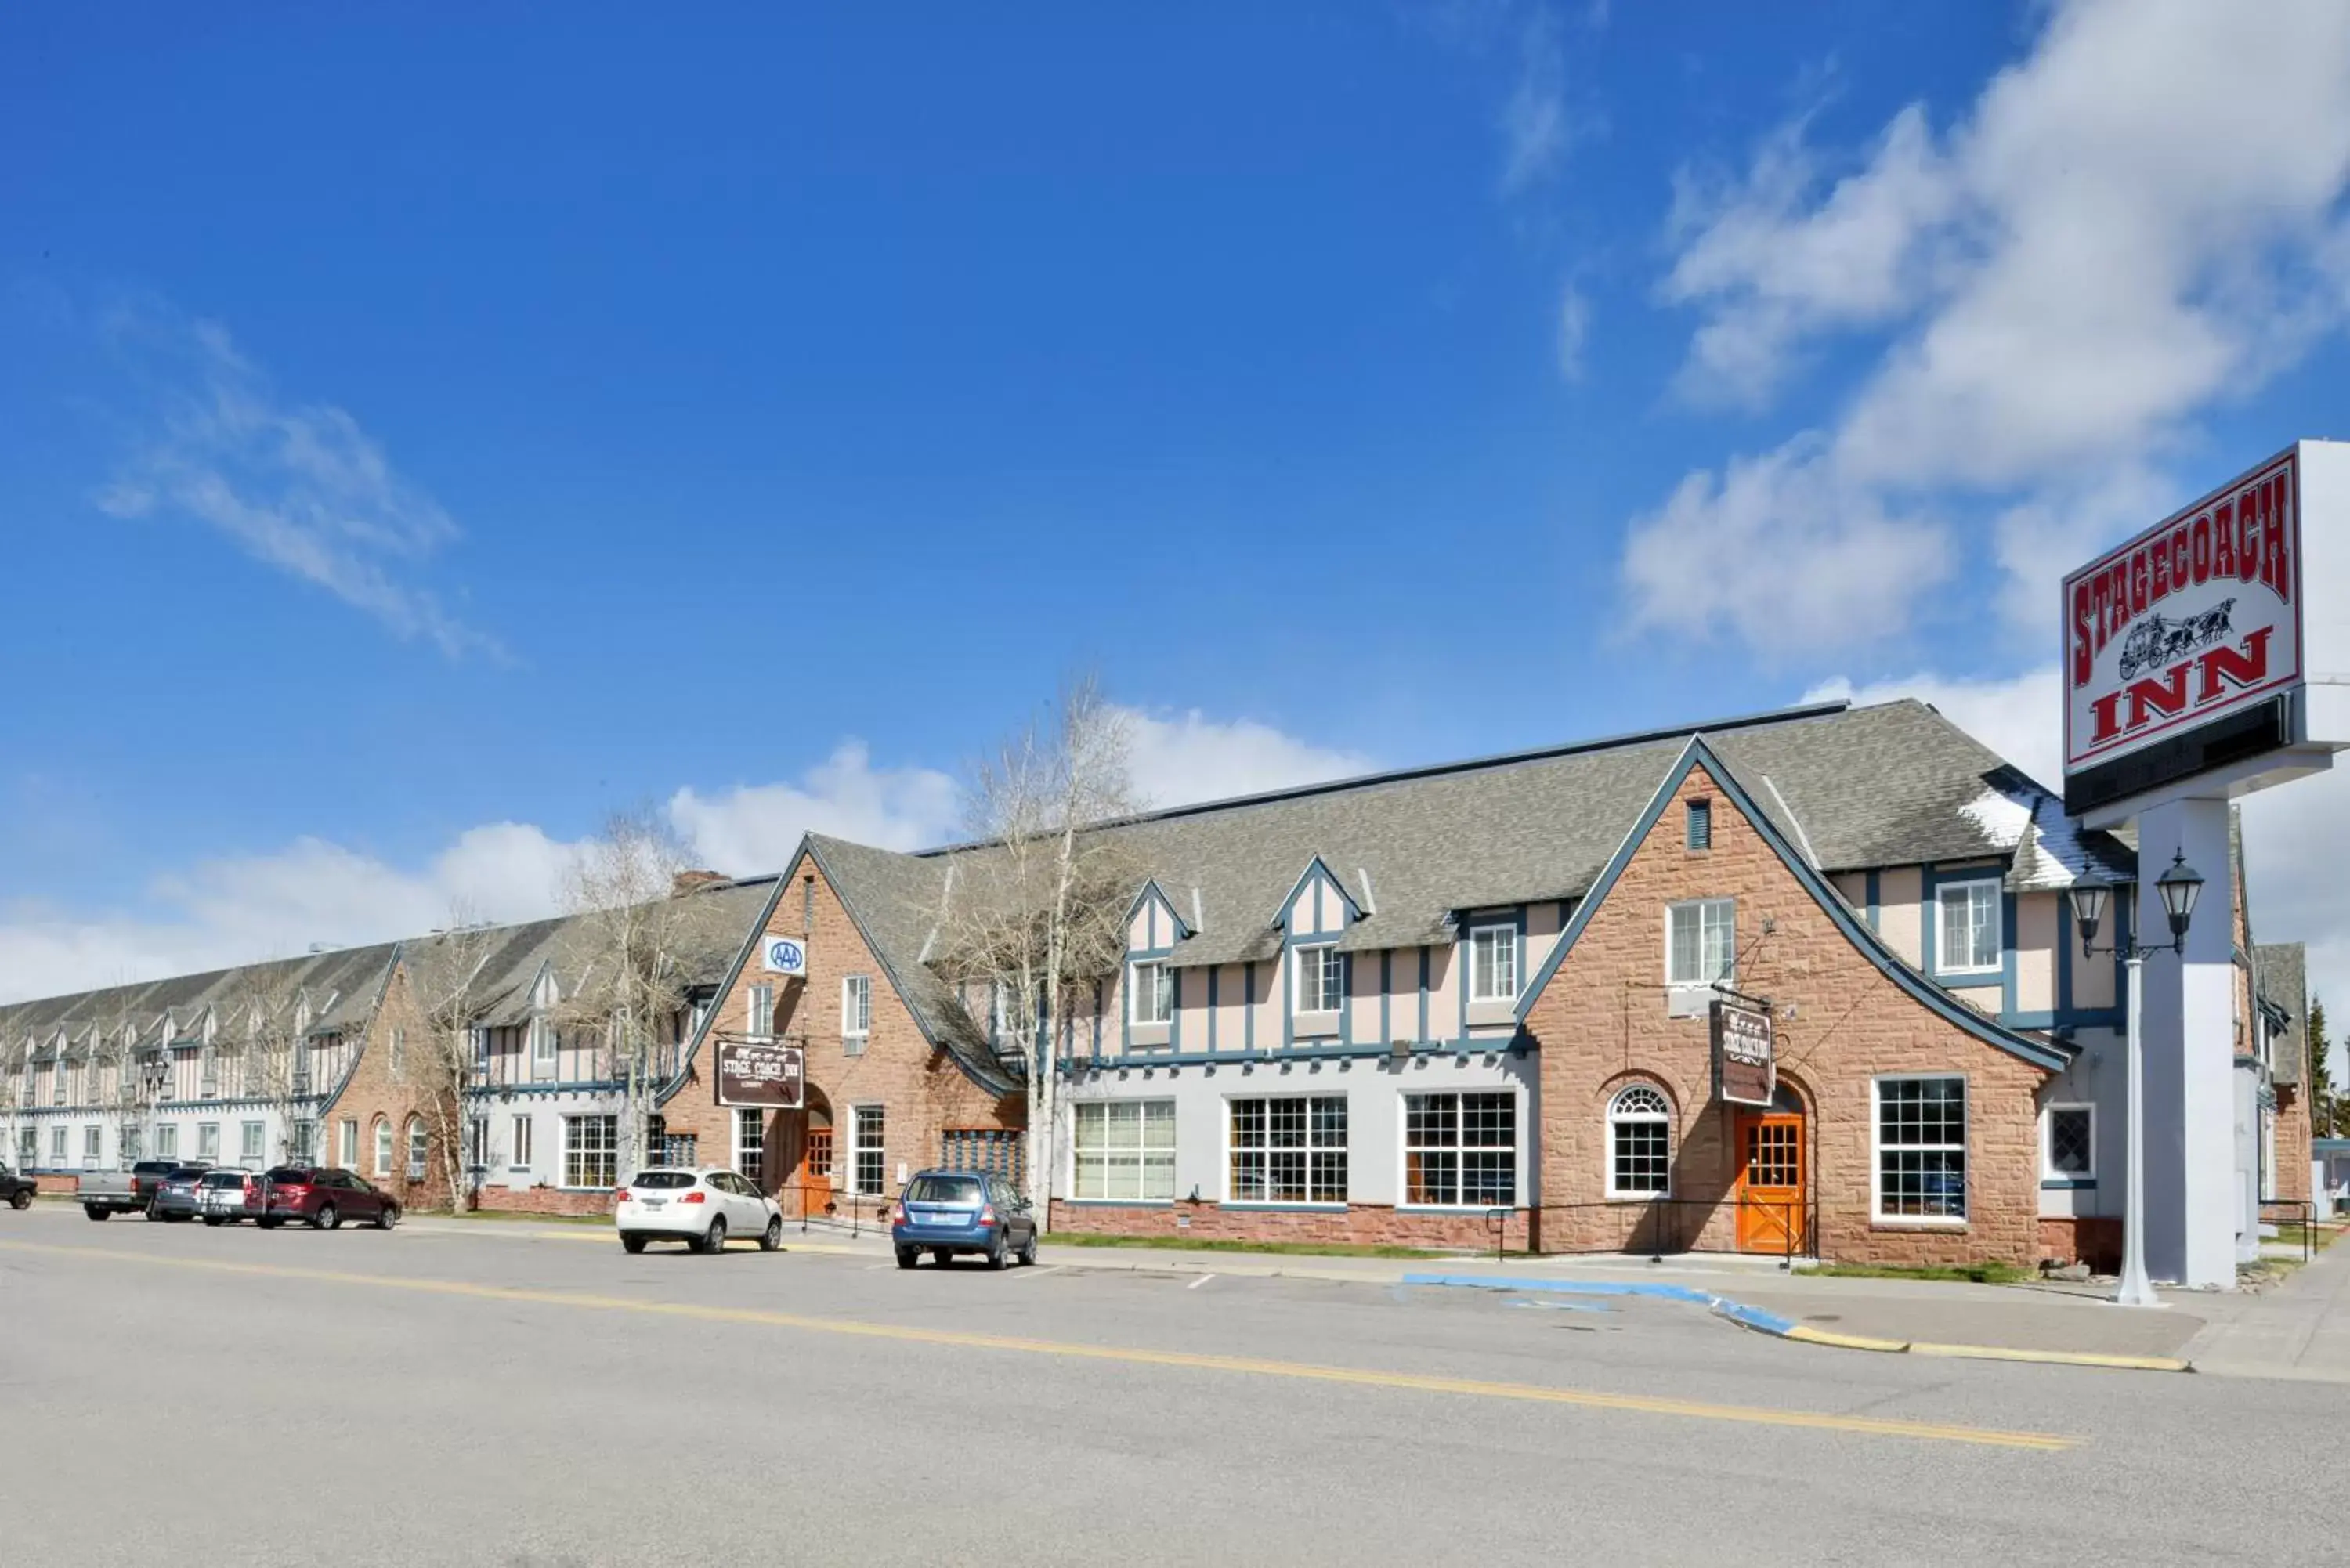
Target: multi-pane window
x,y
167,1141
347,1142
1921,1148
1152,989
2072,1140
763,1011
870,1172
1126,1150
252,1147
855,1011
1289,1150
305,1140
132,1144
1493,963
1321,979
542,1049
1460,1150
208,1140
1701,941
477,1141
518,1155
751,1142
57,1147
1969,934
1639,1143
591,1151
382,1147
90,1144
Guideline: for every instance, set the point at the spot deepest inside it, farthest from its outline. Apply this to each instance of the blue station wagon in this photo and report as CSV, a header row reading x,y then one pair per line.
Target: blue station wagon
x,y
947,1212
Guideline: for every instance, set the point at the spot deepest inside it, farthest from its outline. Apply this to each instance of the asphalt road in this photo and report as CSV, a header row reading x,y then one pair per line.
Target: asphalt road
x,y
178,1395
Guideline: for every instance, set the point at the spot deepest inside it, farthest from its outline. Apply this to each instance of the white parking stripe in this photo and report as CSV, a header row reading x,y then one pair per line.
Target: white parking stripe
x,y
1203,1280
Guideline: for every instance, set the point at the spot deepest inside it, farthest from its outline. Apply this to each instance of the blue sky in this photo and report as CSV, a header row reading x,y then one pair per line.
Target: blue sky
x,y
430,438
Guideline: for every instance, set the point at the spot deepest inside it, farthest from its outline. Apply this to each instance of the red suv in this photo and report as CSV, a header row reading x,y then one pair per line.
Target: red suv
x,y
323,1199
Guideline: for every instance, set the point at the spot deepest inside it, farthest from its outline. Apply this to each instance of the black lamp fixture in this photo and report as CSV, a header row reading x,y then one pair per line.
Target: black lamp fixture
x,y
2179,888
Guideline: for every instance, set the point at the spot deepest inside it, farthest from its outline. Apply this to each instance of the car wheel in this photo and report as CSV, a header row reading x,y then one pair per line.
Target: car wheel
x,y
632,1245
154,1213
907,1257
328,1218
773,1236
21,1199
995,1254
715,1239
211,1219
269,1224
92,1209
1028,1252
387,1216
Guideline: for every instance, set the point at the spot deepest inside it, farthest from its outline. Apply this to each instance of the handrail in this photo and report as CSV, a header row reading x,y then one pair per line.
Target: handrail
x,y
2308,1220
1664,1226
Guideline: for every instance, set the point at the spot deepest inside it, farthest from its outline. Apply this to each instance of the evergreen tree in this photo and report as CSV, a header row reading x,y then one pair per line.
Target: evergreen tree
x,y
2324,1111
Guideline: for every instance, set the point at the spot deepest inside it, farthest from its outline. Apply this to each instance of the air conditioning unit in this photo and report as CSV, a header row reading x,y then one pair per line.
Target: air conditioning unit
x,y
1687,1000
415,1170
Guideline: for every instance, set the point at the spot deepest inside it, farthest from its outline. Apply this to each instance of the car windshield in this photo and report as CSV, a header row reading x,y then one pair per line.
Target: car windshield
x,y
225,1178
944,1190
288,1176
662,1180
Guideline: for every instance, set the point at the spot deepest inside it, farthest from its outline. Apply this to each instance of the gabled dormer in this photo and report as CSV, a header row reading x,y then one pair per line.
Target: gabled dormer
x,y
1154,924
1151,986
1318,910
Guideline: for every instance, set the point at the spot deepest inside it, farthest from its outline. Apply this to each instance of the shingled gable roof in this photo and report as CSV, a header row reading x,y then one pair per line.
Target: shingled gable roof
x,y
894,899
2039,1050
2282,968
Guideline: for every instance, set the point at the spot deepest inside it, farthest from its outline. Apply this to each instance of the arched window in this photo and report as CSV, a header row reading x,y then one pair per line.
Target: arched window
x,y
419,1148
1639,1144
382,1147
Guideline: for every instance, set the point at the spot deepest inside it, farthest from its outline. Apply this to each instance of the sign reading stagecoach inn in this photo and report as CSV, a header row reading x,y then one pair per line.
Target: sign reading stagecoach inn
x,y
1442,1006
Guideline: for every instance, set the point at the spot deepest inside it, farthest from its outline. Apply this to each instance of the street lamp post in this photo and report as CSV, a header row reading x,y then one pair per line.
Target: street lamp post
x,y
2179,888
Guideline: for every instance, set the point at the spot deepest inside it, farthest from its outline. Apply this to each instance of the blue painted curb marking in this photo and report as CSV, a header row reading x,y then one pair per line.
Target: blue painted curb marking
x,y
1736,1311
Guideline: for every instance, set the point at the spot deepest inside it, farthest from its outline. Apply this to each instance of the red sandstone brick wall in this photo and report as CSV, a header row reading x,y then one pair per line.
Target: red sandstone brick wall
x,y
2293,1142
922,1091
2094,1240
1358,1224
376,1089
497,1198
1601,1021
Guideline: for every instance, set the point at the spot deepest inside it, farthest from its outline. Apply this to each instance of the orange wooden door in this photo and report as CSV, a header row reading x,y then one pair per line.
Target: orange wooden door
x,y
1770,1183
812,1180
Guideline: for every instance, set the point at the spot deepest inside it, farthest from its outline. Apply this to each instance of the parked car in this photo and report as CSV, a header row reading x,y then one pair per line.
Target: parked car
x,y
175,1194
323,1199
15,1191
106,1194
226,1197
951,1212
700,1207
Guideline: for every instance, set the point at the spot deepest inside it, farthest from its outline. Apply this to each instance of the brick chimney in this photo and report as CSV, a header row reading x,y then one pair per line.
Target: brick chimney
x,y
686,882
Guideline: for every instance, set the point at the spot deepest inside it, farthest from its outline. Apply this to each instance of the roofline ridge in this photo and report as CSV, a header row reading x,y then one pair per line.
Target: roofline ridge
x,y
1437,770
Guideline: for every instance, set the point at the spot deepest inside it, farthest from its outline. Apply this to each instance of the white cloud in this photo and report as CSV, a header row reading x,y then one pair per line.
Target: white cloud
x,y
235,910
1777,552
2073,273
1184,758
1536,126
301,488
1574,330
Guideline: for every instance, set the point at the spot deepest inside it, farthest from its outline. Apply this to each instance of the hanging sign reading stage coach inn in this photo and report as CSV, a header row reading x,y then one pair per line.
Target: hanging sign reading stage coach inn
x,y
1745,1072
2183,646
761,1072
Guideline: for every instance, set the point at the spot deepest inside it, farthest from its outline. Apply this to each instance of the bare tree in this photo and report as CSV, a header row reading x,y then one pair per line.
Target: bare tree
x,y
444,998
1039,914
643,937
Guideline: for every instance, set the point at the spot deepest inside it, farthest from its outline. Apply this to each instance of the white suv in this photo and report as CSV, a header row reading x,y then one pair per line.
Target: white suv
x,y
699,1208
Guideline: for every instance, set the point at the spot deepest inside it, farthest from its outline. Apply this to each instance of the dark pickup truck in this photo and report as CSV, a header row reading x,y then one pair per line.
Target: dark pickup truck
x,y
106,1194
15,1191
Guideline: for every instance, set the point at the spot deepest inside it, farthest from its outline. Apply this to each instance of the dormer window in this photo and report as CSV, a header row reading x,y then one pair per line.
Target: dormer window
x,y
1493,963
1150,991
1321,979
1969,936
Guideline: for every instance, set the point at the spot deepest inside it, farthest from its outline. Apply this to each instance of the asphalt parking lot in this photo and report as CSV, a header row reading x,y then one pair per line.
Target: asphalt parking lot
x,y
508,1395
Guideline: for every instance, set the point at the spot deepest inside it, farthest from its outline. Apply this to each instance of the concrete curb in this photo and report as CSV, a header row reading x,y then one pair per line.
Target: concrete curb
x,y
1779,1327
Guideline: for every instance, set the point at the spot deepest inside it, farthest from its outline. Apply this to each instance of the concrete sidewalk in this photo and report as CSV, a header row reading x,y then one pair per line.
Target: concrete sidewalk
x,y
2299,1329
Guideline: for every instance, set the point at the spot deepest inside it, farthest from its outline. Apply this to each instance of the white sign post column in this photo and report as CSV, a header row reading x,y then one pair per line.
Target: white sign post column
x,y
2187,1033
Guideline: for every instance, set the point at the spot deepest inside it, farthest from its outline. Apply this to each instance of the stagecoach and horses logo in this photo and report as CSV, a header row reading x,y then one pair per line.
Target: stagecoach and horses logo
x,y
2156,641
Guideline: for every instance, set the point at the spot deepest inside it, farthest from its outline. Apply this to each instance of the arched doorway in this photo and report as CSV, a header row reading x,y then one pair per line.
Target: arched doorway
x,y
1773,1155
808,1177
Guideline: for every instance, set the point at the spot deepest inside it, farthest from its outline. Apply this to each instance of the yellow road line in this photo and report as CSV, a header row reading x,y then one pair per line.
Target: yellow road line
x,y
1810,1335
1417,1382
2054,1358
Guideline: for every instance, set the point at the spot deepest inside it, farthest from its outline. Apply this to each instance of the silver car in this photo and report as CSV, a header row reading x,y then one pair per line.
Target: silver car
x,y
226,1197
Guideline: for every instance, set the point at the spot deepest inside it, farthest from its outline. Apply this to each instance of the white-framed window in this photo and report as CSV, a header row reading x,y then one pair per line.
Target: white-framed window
x,y
1321,979
477,1142
1493,963
382,1147
1289,1149
167,1141
2068,1143
92,1143
591,1151
855,1011
1921,1149
419,1148
1460,1150
1702,941
1125,1149
132,1145
762,1022
542,1048
208,1140
1967,937
1151,991
347,1138
869,1169
252,1143
57,1147
519,1145
1639,1143
305,1140
751,1142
